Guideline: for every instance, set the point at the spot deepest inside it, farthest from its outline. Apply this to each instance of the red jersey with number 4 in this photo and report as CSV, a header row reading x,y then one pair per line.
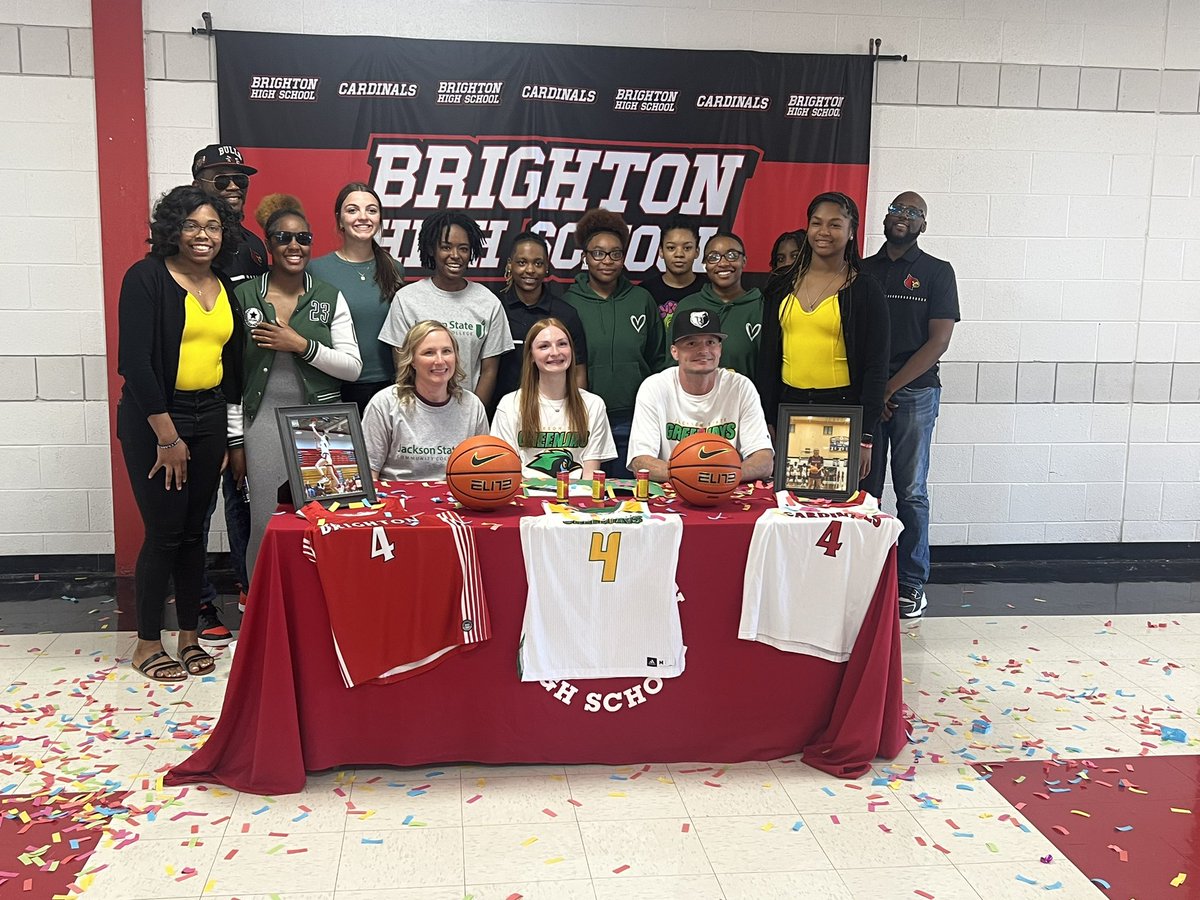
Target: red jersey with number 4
x,y
404,593
810,576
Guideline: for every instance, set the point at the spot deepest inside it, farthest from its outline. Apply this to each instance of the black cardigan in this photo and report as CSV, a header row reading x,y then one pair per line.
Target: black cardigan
x,y
866,328
150,317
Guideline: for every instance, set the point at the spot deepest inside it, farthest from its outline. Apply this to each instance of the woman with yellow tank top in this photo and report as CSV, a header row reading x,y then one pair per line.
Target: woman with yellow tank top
x,y
180,353
206,329
825,336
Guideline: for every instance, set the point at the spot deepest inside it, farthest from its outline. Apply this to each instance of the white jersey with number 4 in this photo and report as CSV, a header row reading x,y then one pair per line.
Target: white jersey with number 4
x,y
602,598
810,575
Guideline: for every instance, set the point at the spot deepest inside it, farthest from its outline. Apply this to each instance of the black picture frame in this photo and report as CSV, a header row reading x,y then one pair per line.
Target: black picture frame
x,y
838,477
301,429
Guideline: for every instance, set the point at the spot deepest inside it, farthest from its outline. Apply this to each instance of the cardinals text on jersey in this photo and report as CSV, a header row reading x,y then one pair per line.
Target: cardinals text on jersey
x,y
810,576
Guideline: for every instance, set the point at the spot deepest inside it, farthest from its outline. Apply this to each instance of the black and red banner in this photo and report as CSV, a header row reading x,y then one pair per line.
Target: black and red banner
x,y
532,135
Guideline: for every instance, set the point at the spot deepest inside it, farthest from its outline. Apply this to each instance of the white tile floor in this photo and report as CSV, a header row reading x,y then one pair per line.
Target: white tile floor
x,y
1086,686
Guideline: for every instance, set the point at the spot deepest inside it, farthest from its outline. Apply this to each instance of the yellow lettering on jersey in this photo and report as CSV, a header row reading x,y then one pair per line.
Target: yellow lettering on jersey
x,y
607,552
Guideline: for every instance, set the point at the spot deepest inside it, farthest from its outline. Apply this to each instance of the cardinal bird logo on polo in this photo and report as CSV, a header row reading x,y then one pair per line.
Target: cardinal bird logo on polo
x,y
552,462
912,282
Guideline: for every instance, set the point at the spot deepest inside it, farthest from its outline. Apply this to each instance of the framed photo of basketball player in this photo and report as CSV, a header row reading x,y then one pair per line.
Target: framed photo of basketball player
x,y
325,454
817,449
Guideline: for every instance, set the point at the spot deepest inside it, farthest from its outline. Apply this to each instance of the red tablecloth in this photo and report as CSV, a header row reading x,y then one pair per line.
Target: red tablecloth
x,y
287,712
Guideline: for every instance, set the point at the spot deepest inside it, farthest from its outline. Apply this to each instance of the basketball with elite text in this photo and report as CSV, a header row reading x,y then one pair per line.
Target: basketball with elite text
x,y
484,472
705,469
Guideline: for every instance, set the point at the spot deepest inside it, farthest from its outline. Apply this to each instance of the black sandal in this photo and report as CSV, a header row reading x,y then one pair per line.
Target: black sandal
x,y
194,655
153,666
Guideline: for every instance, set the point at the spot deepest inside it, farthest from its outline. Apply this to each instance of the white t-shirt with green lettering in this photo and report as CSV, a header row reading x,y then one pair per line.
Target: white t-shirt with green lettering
x,y
542,453
413,441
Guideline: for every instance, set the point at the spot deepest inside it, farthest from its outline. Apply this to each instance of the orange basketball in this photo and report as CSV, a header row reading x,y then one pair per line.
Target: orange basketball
x,y
705,469
484,472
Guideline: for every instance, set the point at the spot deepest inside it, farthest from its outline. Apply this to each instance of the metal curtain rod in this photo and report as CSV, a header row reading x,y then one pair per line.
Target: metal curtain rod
x,y
872,45
873,50
208,29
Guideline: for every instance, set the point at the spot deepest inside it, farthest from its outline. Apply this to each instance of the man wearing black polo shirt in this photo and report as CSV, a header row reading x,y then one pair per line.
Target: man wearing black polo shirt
x,y
922,298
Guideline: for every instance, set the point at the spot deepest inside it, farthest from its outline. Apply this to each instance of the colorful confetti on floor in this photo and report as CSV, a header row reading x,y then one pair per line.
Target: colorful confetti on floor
x,y
84,742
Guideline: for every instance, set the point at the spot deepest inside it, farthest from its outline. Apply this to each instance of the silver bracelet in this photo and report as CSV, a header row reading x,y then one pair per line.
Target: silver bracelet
x,y
170,445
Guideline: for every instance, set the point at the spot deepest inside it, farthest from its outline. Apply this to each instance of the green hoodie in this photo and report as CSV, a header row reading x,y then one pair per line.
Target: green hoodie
x,y
741,321
625,339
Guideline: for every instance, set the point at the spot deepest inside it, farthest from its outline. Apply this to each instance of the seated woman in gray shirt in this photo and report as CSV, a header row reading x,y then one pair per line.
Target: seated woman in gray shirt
x,y
412,427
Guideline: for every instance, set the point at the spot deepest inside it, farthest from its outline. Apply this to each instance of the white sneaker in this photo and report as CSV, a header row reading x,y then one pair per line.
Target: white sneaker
x,y
912,604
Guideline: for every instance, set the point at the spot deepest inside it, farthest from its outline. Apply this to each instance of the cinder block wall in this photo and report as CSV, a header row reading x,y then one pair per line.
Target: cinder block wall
x,y
1055,140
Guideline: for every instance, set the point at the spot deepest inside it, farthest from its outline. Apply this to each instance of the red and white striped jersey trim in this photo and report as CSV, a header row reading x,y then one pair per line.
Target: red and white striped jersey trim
x,y
473,604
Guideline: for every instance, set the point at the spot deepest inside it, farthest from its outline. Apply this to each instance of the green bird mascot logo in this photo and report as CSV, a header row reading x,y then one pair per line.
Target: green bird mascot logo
x,y
551,462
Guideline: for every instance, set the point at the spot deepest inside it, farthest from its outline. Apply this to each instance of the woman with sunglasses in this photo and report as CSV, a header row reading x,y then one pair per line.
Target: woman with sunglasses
x,y
625,336
300,347
825,335
740,311
179,351
368,278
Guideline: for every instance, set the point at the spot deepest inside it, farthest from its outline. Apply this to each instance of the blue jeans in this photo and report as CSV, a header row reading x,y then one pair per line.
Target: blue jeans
x,y
908,434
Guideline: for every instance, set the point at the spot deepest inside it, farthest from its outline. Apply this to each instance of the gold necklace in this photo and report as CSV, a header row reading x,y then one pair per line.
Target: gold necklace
x,y
808,303
198,293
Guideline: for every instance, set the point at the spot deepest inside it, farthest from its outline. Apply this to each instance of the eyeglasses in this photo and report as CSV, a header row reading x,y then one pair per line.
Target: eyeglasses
x,y
731,255
212,229
905,212
615,255
283,238
222,182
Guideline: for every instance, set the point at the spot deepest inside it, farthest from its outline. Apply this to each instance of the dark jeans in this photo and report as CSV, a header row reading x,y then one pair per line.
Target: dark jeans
x,y
824,396
237,529
173,547
620,424
361,392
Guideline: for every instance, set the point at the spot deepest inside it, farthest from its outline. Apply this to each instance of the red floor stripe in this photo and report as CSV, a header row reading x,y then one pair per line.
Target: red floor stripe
x,y
45,841
1132,822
